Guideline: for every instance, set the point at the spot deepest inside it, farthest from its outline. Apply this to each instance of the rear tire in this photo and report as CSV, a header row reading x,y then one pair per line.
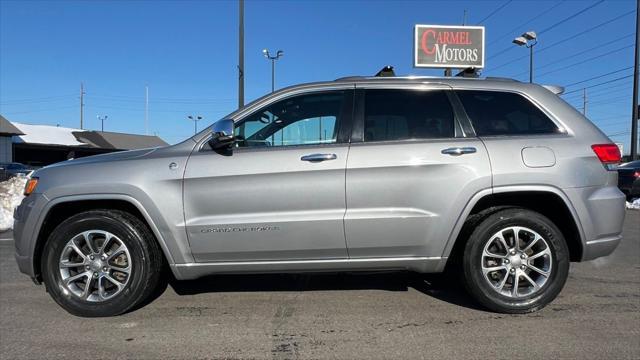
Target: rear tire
x,y
101,263
515,277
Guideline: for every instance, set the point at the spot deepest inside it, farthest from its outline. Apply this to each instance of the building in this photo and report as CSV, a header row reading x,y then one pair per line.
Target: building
x,y
40,145
7,131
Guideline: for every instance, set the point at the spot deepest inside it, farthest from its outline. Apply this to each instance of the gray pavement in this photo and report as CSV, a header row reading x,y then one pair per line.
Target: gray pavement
x,y
345,316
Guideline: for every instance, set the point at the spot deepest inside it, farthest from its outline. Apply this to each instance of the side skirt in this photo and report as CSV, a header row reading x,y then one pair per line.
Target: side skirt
x,y
417,264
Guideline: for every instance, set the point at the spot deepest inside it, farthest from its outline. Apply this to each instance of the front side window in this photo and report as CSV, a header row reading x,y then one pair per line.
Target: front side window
x,y
504,113
309,119
393,114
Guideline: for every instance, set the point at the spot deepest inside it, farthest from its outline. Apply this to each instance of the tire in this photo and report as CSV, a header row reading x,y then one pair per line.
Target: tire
x,y
129,274
485,251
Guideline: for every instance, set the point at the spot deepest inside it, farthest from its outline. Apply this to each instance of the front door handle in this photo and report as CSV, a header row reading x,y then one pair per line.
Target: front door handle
x,y
318,157
457,151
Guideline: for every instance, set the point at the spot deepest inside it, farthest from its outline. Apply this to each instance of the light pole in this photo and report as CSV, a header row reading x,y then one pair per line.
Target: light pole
x,y
195,120
102,119
528,39
273,59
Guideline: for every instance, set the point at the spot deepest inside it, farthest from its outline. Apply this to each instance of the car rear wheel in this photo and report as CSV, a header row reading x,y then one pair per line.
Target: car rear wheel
x,y
101,263
515,261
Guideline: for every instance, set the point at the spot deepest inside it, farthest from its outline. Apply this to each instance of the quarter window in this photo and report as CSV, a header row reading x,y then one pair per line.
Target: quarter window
x,y
300,120
504,113
407,114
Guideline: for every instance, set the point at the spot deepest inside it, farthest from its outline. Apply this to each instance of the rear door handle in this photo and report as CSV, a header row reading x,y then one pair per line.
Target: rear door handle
x,y
457,151
318,157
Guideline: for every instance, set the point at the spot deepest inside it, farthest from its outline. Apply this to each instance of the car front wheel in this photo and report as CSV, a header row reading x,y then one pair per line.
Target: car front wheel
x,y
515,261
101,263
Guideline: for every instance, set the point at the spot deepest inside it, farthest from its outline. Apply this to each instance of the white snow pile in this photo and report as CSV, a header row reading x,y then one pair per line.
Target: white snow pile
x,y
11,194
634,204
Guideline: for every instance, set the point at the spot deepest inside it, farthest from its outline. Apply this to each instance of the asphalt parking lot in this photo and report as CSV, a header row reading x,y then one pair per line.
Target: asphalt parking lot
x,y
597,316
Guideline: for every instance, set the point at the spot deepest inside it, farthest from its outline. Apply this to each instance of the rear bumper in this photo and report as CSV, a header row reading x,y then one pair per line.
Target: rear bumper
x,y
602,247
600,211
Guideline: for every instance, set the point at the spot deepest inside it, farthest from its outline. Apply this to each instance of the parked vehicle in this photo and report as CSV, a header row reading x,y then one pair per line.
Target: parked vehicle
x,y
8,170
500,180
629,179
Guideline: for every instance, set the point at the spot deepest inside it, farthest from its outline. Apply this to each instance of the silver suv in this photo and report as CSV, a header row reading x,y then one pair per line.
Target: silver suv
x,y
502,181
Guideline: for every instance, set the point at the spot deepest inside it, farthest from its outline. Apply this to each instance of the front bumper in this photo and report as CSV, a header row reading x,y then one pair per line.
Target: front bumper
x,y
25,231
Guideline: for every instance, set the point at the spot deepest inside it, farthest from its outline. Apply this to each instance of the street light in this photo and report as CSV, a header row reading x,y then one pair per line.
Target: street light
x,y
528,39
195,120
102,119
273,59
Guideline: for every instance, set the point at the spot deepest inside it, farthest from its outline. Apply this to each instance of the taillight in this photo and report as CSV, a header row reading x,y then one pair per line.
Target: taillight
x,y
609,154
636,174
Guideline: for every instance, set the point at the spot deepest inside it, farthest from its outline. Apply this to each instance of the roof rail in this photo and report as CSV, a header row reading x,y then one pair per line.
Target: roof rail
x,y
349,78
498,78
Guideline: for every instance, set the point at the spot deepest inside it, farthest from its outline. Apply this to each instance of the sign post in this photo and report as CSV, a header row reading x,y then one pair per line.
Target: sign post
x,y
438,46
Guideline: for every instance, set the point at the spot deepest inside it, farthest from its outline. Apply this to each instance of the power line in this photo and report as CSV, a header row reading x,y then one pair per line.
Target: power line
x,y
154,110
618,123
619,134
599,76
494,12
572,37
570,17
599,46
41,110
612,100
600,92
597,95
587,60
602,83
548,28
156,100
37,100
520,26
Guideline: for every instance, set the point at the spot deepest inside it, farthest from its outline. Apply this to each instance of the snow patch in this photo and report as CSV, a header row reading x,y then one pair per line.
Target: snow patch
x,y
46,134
634,204
11,194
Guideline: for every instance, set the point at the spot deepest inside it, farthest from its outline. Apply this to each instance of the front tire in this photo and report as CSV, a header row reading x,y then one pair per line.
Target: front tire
x,y
101,263
516,261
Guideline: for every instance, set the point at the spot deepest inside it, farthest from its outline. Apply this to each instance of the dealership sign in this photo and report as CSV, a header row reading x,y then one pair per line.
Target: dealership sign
x,y
438,46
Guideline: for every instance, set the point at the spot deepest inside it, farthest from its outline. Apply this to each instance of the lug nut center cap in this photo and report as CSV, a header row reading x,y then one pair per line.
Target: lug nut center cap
x,y
515,261
96,265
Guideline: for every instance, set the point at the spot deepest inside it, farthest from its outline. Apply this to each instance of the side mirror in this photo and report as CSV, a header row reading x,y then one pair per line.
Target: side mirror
x,y
221,134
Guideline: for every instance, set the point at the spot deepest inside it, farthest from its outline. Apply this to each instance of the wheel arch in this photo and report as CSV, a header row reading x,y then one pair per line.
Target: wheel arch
x,y
62,208
549,201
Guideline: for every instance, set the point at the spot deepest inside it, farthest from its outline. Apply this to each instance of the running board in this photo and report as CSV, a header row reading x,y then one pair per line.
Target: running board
x,y
417,264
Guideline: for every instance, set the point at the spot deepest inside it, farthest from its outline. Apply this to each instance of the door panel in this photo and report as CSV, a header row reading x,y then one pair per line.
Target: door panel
x,y
266,205
403,199
412,173
280,194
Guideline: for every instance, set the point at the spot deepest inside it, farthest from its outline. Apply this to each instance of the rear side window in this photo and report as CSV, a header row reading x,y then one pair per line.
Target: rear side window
x,y
504,113
407,114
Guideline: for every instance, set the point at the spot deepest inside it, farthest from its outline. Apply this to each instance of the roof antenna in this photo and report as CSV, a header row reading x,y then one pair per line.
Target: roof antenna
x,y
386,71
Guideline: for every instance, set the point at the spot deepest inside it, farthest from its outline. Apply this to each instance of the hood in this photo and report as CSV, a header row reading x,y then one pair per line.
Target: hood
x,y
109,157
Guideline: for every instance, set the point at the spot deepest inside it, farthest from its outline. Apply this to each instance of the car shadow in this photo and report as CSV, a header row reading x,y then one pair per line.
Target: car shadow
x,y
439,286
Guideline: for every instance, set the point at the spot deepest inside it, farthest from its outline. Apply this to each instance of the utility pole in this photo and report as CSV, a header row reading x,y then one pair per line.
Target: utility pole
x,y
584,101
241,55
636,75
81,105
146,109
